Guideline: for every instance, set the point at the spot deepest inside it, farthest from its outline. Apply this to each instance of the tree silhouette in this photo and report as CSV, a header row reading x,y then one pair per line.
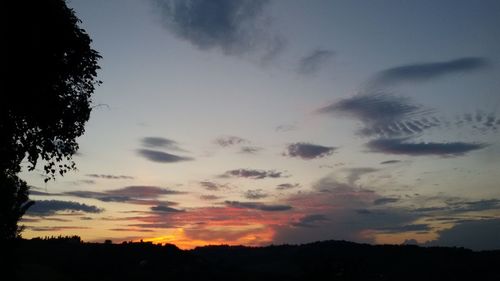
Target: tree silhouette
x,y
48,72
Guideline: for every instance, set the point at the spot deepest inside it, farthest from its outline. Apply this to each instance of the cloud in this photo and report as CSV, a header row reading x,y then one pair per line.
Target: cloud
x,y
390,162
405,228
109,177
420,72
139,195
254,194
308,151
213,186
161,157
159,142
210,197
55,228
253,174
476,235
285,128
285,186
385,200
165,209
347,213
312,62
399,146
142,191
356,173
310,221
232,26
250,149
51,207
258,206
226,141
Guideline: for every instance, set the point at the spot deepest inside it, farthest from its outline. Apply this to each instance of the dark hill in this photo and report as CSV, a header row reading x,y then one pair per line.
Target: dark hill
x,y
69,259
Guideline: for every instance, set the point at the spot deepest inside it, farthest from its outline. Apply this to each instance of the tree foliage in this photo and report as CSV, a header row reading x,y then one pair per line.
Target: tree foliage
x,y
49,72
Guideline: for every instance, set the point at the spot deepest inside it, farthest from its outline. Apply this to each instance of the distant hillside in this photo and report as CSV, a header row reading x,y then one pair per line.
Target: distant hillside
x,y
69,259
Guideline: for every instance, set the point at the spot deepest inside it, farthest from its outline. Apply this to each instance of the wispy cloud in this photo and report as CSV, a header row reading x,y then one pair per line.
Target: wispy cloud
x,y
139,195
383,114
253,174
418,72
227,141
250,149
165,209
162,157
160,142
314,61
52,207
109,177
401,146
308,151
255,194
284,186
258,206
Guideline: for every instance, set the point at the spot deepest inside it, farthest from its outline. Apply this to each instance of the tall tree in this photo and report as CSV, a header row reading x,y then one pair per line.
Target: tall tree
x,y
48,72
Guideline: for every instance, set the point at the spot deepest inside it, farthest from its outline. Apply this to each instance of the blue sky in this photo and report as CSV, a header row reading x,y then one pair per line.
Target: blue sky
x,y
258,122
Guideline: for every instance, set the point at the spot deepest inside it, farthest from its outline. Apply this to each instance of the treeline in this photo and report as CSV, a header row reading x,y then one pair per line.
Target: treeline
x,y
60,258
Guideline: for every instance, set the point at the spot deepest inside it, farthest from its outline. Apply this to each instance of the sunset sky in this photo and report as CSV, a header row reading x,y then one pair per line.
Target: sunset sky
x,y
269,122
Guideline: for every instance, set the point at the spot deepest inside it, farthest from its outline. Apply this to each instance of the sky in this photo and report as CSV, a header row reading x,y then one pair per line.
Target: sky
x,y
270,122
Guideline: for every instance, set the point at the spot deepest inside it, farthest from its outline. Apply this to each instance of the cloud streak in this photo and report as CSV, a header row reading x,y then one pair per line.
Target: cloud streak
x,y
314,61
420,72
308,151
52,207
161,157
400,146
258,206
253,174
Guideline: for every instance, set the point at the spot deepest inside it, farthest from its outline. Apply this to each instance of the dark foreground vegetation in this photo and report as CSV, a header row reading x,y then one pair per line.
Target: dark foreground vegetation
x,y
70,259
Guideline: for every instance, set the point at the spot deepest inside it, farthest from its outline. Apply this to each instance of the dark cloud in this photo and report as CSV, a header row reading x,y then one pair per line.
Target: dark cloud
x,y
213,186
312,62
405,228
55,228
162,157
233,26
159,142
42,193
385,200
139,195
253,174
476,235
400,146
51,207
310,220
109,177
153,225
429,70
250,149
258,206
226,141
254,194
165,209
350,212
141,191
285,186
308,151
384,114
390,162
